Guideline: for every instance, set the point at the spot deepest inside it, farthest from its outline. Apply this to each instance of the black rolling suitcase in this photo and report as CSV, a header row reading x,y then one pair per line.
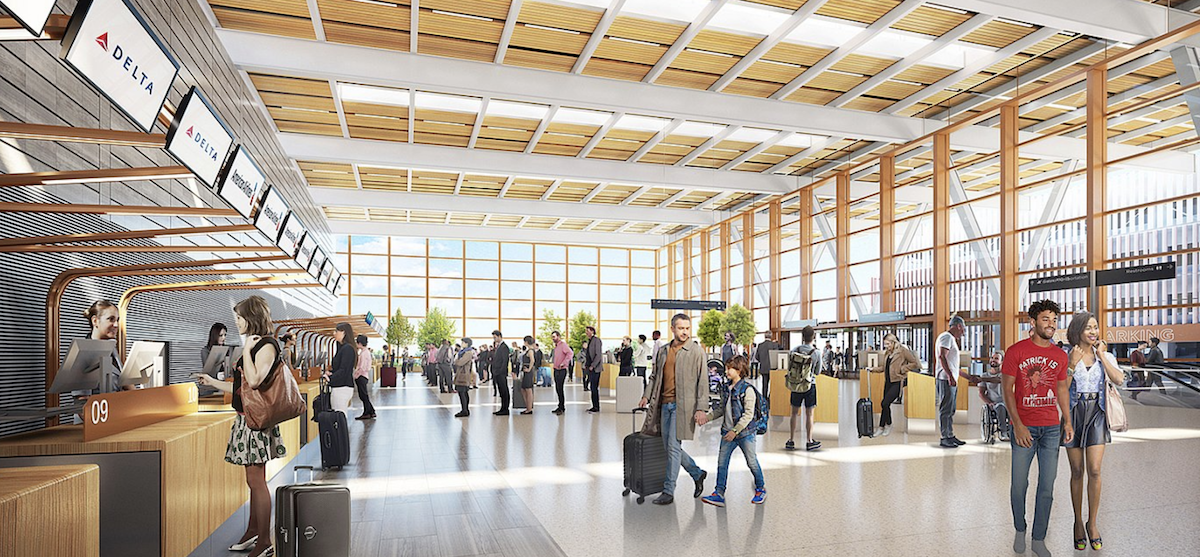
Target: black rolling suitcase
x,y
334,437
863,414
312,519
645,462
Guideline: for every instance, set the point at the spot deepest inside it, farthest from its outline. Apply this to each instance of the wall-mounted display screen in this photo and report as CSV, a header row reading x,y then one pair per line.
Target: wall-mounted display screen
x,y
308,248
241,183
271,214
198,138
318,261
112,47
31,14
326,274
335,282
293,233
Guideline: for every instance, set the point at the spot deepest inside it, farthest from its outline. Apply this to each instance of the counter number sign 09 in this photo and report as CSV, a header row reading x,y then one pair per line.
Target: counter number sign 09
x,y
99,411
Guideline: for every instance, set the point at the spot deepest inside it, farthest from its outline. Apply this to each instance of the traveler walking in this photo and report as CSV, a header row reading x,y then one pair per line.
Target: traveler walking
x,y
362,378
898,360
1035,375
1091,368
729,350
561,356
593,359
808,398
1155,360
1137,361
464,376
739,430
677,400
948,371
500,359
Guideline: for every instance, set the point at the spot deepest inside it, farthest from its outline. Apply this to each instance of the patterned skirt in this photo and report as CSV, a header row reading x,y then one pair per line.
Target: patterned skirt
x,y
247,447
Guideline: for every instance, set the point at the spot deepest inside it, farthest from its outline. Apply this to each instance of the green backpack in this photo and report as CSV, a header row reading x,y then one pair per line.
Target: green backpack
x,y
802,370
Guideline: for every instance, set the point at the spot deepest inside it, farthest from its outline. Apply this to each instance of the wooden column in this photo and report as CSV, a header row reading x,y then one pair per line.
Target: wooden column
x,y
775,317
1097,184
887,238
842,211
941,231
1010,259
724,260
705,248
806,262
686,246
748,259
671,293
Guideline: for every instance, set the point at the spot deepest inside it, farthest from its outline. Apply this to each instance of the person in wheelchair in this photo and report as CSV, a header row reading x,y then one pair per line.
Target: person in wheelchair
x,y
995,414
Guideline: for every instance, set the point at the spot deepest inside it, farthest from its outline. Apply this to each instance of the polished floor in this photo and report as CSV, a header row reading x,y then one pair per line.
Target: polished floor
x,y
427,484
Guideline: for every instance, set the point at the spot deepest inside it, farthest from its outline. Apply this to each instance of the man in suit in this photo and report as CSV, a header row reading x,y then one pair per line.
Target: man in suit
x,y
593,362
499,369
444,368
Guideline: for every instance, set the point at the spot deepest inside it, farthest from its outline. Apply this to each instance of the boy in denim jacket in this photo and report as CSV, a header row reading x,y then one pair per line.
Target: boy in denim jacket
x,y
738,430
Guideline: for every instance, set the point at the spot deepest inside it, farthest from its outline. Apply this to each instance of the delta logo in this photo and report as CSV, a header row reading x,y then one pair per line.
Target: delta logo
x,y
127,64
202,143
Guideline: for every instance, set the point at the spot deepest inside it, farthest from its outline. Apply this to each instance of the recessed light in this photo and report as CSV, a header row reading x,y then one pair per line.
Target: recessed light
x,y
556,29
635,41
1014,22
351,92
464,16
698,51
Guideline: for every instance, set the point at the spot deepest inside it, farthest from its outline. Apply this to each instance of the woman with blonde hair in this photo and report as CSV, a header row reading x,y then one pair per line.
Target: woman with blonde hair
x,y
898,360
249,448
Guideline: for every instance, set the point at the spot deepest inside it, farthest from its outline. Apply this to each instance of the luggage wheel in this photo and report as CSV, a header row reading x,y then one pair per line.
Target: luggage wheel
x,y
641,500
626,492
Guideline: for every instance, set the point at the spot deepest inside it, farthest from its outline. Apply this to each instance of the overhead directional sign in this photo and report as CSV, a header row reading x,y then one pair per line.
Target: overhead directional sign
x,y
308,249
885,317
111,46
1060,282
694,305
242,182
271,214
31,14
1140,273
199,138
318,261
293,234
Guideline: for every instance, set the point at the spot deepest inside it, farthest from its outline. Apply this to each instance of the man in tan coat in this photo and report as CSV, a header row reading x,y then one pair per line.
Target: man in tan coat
x,y
677,397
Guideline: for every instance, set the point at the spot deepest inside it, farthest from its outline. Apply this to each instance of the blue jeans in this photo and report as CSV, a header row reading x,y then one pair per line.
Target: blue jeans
x,y
747,444
1045,448
675,453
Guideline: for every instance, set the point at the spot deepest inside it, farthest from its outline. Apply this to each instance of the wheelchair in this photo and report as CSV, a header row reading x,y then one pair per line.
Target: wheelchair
x,y
993,423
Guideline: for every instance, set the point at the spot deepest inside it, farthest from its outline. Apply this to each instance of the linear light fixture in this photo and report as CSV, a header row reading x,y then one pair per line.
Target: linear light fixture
x,y
555,29
1014,22
947,9
464,16
698,51
635,41
378,3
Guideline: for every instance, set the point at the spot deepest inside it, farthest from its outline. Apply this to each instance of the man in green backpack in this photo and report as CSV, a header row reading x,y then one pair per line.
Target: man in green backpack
x,y
803,368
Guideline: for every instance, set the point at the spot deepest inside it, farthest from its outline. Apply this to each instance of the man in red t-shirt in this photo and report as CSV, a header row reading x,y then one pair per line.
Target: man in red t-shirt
x,y
1034,375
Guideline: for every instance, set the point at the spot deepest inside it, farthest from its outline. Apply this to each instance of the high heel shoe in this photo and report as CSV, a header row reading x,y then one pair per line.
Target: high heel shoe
x,y
1097,542
244,546
1081,543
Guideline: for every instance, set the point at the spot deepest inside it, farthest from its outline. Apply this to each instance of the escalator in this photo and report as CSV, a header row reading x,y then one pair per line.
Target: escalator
x,y
1180,386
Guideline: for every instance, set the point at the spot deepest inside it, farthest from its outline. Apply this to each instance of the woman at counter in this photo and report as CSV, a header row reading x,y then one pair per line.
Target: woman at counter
x,y
362,378
898,360
249,448
216,337
341,375
106,325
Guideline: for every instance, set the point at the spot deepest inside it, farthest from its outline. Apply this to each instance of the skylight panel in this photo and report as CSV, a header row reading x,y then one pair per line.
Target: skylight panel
x,y
641,123
824,31
957,55
798,140
675,10
753,20
581,117
351,92
751,135
894,44
517,110
449,103
698,129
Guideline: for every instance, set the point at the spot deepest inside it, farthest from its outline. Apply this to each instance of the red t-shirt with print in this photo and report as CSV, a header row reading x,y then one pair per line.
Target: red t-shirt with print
x,y
1037,371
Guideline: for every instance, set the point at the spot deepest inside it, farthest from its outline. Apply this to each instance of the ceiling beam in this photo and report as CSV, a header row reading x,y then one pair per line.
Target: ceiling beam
x,y
541,128
510,23
633,196
654,141
550,190
764,46
756,150
816,147
684,39
494,233
597,35
414,26
336,197
502,163
599,135
708,144
881,24
1126,21
478,123
963,29
674,197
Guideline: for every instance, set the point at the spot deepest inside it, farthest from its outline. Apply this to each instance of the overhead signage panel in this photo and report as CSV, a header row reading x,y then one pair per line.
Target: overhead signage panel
x,y
318,261
326,273
885,317
242,182
198,138
31,14
1139,273
694,305
111,46
293,234
337,284
271,214
1060,282
308,248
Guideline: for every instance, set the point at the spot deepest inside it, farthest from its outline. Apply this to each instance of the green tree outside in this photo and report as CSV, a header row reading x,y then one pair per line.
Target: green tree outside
x,y
550,322
575,336
435,328
400,331
710,331
739,321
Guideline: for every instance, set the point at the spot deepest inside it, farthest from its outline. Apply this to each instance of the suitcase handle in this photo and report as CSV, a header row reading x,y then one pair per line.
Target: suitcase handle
x,y
296,473
634,415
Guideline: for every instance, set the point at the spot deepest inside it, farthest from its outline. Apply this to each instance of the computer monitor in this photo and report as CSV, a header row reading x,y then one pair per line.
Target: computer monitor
x,y
217,362
779,359
88,365
868,359
235,353
145,365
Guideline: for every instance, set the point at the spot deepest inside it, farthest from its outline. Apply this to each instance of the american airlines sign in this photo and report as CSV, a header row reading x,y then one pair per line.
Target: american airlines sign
x,y
308,248
198,138
318,261
112,47
293,233
242,181
271,214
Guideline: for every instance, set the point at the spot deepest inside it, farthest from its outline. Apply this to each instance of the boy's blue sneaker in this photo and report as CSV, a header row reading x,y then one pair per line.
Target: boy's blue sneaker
x,y
716,500
759,497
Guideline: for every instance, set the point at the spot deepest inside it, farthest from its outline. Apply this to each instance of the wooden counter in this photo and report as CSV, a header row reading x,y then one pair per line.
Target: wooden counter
x,y
920,396
871,384
827,400
198,490
308,429
50,510
780,396
608,377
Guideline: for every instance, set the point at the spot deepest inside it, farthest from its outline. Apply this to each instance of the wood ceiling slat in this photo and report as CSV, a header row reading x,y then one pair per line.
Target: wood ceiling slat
x,y
572,191
924,74
399,134
293,85
930,21
559,16
862,11
770,72
456,48
431,23
449,130
548,41
257,22
495,9
500,144
638,29
629,52
686,140
830,81
614,69
366,36
304,116
727,43
544,148
296,8
437,139
892,90
998,34
297,101
508,122
703,63
792,53
661,157
375,109
785,4
539,60
752,88
867,65
362,13
869,104
465,118
691,80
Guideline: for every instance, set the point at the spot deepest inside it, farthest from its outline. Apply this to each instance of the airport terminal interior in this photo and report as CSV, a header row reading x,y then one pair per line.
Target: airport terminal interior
x,y
451,278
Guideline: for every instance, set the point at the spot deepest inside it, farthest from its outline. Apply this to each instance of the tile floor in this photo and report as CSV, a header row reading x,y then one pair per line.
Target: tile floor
x,y
427,484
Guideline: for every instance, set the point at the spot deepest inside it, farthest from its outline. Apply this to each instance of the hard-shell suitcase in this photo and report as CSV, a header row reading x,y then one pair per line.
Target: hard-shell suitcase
x,y
387,376
322,402
863,414
335,439
312,519
645,462
518,396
